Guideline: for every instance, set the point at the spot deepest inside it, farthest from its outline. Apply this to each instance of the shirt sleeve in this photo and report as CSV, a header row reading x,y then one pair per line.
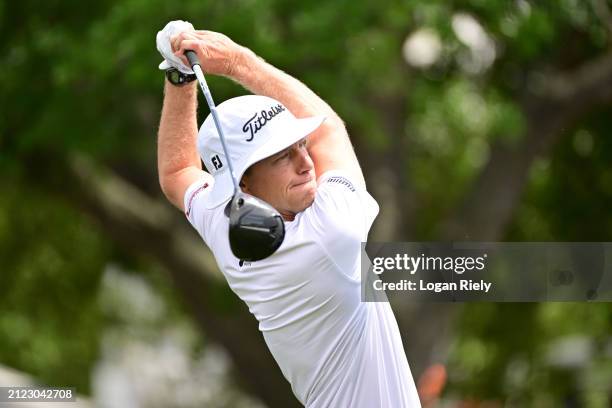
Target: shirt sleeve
x,y
341,217
194,200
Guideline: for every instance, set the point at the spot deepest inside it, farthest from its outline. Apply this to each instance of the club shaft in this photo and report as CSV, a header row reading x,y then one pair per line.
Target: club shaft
x,y
213,111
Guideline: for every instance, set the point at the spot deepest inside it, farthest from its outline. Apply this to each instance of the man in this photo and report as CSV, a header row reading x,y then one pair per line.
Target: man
x,y
292,150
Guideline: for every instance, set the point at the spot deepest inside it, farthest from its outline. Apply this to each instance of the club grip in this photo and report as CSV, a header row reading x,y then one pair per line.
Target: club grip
x,y
192,57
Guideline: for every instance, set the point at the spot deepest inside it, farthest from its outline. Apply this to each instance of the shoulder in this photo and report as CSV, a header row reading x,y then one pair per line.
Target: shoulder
x,y
196,194
342,205
197,212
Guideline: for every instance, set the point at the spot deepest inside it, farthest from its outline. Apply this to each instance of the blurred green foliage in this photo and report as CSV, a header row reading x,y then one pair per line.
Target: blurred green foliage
x,y
52,261
83,76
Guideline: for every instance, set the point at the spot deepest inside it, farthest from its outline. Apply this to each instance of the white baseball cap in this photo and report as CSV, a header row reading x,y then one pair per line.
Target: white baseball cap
x,y
255,127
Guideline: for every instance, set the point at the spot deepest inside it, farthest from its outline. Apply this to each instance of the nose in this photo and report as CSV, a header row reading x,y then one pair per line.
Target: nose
x,y
303,161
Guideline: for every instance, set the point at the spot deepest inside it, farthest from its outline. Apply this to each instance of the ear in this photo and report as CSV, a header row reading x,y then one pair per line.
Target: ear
x,y
244,184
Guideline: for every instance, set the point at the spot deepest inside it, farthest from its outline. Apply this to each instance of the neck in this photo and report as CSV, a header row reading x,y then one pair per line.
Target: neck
x,y
287,215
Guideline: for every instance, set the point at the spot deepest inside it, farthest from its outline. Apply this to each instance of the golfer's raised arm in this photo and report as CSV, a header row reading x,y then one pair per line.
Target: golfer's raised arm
x,y
178,161
329,146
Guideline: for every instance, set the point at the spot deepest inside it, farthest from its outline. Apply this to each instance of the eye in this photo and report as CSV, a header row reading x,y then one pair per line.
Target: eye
x,y
282,156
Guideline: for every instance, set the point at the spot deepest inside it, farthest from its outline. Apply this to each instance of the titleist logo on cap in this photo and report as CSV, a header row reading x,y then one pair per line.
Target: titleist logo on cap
x,y
260,119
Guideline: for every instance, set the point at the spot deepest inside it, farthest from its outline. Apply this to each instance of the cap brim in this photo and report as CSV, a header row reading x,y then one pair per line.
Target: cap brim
x,y
164,65
223,188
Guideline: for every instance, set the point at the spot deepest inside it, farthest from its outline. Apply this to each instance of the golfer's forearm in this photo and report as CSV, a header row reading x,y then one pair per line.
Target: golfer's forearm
x,y
329,145
178,130
262,78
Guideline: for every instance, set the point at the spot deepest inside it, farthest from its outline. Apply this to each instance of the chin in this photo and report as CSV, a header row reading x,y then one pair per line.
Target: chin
x,y
307,199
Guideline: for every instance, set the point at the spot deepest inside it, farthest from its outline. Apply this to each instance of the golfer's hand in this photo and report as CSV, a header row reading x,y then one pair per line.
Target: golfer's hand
x,y
162,41
217,53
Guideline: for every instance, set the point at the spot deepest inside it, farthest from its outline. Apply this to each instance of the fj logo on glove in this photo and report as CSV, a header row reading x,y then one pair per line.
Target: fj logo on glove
x,y
260,119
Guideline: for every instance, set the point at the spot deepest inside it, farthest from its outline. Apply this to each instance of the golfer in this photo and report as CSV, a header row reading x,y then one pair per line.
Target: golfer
x,y
290,149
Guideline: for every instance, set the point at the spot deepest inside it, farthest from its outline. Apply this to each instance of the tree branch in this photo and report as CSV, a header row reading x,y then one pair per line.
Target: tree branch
x,y
602,10
550,108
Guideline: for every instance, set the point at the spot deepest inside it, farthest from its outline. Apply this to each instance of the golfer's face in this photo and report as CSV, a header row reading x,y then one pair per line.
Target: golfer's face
x,y
285,180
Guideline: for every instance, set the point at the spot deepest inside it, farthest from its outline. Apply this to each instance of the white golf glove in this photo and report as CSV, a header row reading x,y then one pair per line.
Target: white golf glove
x,y
165,47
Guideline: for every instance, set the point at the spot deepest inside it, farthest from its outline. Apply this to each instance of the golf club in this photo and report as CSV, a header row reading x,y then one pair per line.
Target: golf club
x,y
256,229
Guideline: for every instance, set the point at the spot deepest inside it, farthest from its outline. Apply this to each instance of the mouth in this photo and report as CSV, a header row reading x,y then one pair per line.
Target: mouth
x,y
302,183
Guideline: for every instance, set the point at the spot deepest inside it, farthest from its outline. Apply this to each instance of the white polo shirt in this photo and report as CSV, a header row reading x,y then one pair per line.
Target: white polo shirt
x,y
335,350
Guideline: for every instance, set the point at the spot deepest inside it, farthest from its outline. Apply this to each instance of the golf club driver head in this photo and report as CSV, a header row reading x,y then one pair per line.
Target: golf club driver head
x,y
256,229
